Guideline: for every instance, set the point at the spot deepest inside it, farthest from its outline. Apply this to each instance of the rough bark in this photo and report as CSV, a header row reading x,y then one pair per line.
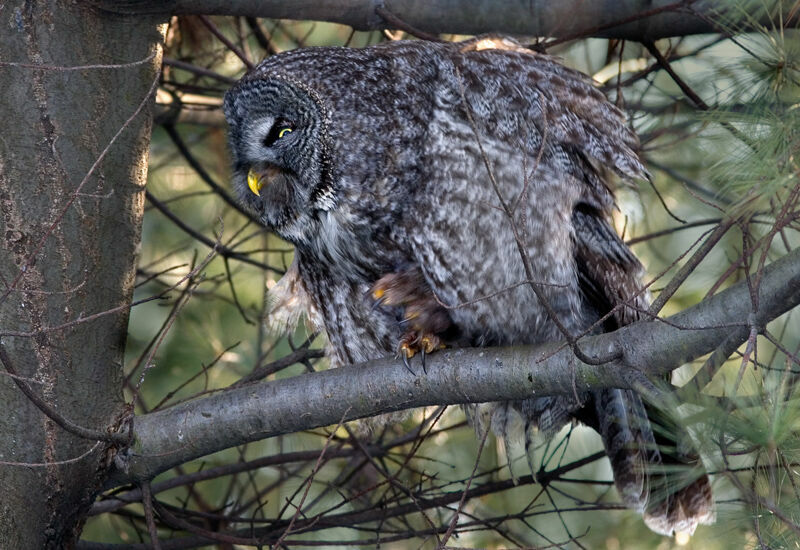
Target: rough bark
x,y
631,19
67,249
196,428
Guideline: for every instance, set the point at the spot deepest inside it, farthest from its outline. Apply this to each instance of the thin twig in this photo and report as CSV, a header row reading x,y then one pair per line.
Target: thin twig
x,y
696,99
591,31
123,307
220,248
261,35
79,67
689,267
52,413
314,471
147,502
201,71
184,150
454,520
398,23
224,39
52,463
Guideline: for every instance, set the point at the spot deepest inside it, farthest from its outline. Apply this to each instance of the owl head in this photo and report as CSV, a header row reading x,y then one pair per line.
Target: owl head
x,y
278,145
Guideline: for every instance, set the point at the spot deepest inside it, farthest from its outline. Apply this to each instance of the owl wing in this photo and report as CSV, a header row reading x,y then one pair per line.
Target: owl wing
x,y
537,90
511,130
609,275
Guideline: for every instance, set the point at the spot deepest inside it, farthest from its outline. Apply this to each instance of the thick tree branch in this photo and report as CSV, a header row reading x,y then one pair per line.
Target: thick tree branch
x,y
632,20
249,413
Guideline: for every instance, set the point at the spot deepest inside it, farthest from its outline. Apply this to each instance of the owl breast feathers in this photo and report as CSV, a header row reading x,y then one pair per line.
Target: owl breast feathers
x,y
463,188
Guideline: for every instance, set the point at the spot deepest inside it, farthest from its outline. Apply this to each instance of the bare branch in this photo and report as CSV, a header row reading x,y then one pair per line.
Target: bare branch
x,y
51,412
223,251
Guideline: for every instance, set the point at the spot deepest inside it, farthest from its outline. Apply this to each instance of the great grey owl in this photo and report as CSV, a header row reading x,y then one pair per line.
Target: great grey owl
x,y
441,182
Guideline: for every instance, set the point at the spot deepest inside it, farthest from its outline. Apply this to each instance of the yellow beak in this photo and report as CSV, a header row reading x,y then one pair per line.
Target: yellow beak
x,y
254,182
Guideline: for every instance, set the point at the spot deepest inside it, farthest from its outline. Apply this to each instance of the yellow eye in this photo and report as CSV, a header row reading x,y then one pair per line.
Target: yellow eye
x,y
283,132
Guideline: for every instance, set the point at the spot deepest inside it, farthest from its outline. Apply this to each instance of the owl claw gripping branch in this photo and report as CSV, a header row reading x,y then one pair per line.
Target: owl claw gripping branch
x,y
427,322
383,166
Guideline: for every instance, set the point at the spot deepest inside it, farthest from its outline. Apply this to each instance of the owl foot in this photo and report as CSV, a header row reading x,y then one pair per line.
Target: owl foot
x,y
414,342
399,289
425,321
417,306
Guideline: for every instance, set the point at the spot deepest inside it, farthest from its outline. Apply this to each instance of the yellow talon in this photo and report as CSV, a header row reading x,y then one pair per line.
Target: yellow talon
x,y
378,293
407,351
254,183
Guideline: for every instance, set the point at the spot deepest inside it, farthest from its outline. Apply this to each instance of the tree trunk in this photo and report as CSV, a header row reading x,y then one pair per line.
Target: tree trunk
x,y
67,249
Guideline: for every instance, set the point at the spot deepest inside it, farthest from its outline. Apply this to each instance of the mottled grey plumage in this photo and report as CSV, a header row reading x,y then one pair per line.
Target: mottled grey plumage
x,y
384,183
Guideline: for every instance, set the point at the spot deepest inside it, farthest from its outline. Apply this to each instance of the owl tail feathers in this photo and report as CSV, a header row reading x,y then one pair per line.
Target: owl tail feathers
x,y
683,510
656,471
